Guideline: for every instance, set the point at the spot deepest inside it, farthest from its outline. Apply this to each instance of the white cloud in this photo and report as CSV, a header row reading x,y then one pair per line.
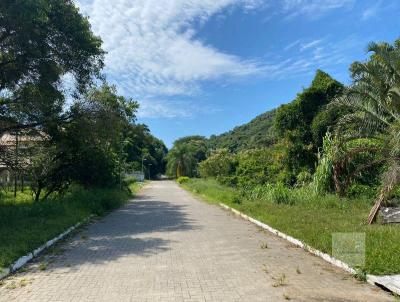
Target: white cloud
x,y
151,45
313,8
172,109
152,52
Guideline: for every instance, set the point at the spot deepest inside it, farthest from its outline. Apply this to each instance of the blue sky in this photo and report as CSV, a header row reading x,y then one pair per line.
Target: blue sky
x,y
206,66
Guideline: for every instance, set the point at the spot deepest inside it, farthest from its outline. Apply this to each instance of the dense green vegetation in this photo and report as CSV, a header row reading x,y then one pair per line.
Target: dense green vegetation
x,y
258,133
310,218
25,224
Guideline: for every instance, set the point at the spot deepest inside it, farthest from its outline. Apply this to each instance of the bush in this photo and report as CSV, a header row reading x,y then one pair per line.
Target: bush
x,y
304,178
358,190
220,164
231,181
182,179
129,180
258,167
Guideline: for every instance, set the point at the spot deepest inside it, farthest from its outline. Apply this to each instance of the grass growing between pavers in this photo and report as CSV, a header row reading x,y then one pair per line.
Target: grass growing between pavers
x,y
25,224
313,220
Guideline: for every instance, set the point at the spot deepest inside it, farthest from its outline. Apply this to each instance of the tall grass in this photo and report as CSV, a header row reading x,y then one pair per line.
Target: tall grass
x,y
323,174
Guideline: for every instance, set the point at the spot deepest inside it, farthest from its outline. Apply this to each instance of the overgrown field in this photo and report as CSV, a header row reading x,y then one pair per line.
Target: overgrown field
x,y
312,219
25,225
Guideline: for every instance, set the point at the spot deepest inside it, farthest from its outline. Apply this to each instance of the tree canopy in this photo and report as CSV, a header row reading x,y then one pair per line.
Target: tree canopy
x,y
41,41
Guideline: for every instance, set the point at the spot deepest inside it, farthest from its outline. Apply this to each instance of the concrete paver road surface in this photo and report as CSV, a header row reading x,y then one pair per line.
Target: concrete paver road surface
x,y
166,245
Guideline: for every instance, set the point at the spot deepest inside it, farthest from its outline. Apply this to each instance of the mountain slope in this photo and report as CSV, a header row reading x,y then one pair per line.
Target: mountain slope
x,y
259,132
297,115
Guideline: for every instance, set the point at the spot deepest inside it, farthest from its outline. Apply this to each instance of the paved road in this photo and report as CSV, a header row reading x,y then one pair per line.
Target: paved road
x,y
168,246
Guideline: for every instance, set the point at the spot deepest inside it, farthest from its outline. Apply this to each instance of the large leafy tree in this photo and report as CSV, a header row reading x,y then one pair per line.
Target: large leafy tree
x,y
293,122
374,103
89,150
40,42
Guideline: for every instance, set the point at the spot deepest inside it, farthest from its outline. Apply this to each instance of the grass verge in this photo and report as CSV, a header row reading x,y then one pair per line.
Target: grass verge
x,y
313,219
25,225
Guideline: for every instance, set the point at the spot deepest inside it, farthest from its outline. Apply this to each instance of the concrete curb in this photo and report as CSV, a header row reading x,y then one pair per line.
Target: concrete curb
x,y
374,280
28,257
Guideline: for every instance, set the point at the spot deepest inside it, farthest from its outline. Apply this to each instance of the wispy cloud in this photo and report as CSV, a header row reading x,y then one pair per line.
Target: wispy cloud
x,y
291,45
152,108
378,9
311,44
309,56
313,8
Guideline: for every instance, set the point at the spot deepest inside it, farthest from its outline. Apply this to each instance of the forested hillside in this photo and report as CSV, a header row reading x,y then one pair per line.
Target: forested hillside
x,y
258,133
261,132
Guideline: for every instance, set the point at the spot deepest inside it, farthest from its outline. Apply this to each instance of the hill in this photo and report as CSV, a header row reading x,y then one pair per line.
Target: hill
x,y
296,116
259,132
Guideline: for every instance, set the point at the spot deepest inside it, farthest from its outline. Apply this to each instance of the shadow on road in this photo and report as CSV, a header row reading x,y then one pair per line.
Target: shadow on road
x,y
134,229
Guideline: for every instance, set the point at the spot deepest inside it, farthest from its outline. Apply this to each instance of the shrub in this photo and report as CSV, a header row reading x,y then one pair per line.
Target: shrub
x,y
357,190
231,181
258,167
129,180
220,164
182,179
304,178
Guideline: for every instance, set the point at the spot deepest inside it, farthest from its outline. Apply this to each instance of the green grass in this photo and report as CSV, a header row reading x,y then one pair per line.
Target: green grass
x,y
25,225
313,219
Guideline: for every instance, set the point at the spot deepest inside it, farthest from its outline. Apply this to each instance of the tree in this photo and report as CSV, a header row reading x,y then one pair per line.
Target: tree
x,y
40,42
89,149
142,145
183,158
374,103
294,122
94,142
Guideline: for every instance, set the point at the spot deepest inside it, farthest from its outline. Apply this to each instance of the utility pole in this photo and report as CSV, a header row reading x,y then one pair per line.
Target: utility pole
x,y
149,172
120,164
15,165
143,159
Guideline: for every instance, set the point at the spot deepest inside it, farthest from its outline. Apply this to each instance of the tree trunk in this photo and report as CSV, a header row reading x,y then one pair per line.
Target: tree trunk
x,y
37,193
338,184
392,179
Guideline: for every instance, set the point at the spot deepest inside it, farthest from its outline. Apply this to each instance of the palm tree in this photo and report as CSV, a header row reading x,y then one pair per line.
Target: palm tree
x,y
374,104
180,160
